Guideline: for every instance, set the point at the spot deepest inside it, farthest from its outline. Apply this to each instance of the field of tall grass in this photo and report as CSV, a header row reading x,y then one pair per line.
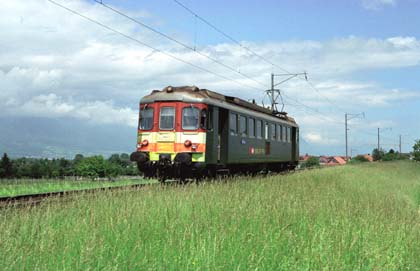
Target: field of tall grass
x,y
358,217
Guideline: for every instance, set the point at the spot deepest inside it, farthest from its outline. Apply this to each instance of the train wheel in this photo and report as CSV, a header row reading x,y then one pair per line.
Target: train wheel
x,y
161,175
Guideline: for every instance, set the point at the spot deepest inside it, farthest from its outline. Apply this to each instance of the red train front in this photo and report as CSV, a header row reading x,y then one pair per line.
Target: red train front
x,y
171,136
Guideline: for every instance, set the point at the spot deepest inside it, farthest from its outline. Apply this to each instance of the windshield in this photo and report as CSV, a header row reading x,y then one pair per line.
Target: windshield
x,y
190,117
167,118
146,119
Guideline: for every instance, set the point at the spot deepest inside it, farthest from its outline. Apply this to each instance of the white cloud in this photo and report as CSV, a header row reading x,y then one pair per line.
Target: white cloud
x,y
316,138
71,67
377,4
51,105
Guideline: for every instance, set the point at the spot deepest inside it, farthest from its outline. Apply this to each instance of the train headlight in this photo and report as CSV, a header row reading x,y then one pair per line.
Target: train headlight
x,y
187,143
144,143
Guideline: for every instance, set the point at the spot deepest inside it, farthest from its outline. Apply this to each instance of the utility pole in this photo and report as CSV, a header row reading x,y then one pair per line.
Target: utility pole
x,y
379,145
271,92
346,129
400,145
348,117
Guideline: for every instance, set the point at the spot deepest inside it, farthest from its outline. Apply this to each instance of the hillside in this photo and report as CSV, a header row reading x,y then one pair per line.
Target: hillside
x,y
63,137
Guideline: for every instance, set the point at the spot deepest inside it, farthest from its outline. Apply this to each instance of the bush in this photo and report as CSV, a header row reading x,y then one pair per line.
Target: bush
x,y
311,162
390,156
416,151
359,159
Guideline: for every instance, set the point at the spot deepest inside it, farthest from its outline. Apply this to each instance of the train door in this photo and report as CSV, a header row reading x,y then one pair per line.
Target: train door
x,y
294,142
212,135
222,137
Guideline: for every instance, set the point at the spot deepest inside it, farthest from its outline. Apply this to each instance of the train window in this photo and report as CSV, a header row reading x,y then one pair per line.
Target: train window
x,y
251,127
242,125
146,118
289,135
259,128
297,135
278,132
190,116
284,134
167,118
233,123
273,131
266,131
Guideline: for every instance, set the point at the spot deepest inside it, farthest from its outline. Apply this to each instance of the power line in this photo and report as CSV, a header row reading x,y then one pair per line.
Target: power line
x,y
322,115
229,37
176,41
327,99
184,61
147,45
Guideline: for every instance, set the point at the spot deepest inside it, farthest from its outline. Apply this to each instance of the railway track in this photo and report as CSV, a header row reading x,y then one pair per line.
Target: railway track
x,y
33,199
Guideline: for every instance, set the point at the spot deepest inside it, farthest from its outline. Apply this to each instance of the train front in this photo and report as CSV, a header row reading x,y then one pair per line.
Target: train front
x,y
171,140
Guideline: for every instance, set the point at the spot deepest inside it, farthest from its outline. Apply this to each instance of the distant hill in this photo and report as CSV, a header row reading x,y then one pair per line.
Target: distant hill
x,y
63,137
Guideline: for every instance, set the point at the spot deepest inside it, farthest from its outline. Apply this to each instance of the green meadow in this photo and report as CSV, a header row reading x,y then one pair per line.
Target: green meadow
x,y
355,217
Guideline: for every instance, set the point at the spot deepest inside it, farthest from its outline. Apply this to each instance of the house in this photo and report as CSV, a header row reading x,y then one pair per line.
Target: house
x,y
332,160
368,157
304,158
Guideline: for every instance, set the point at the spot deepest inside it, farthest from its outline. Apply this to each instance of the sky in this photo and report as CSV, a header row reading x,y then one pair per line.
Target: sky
x,y
360,56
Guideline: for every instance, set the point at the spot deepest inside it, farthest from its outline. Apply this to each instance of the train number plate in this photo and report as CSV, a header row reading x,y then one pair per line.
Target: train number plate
x,y
166,137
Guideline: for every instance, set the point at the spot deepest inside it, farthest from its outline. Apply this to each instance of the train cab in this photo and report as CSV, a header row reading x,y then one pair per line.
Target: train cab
x,y
171,137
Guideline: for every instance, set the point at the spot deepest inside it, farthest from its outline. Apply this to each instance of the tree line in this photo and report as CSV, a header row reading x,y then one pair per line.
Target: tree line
x,y
92,167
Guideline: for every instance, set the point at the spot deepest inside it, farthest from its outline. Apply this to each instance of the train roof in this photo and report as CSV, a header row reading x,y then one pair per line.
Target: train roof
x,y
193,94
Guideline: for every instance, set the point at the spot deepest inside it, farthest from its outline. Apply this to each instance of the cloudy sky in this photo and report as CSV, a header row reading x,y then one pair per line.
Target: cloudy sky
x,y
360,55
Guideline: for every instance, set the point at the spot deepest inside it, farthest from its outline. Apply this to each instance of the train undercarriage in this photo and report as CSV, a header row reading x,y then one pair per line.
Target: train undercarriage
x,y
182,168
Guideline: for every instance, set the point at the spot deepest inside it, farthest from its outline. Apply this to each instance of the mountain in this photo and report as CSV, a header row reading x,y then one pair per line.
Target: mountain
x,y
63,137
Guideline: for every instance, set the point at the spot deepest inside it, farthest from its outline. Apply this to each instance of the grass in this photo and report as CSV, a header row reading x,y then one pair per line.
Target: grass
x,y
26,186
361,217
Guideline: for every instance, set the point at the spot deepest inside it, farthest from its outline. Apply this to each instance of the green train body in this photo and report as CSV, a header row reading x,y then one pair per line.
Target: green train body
x,y
190,132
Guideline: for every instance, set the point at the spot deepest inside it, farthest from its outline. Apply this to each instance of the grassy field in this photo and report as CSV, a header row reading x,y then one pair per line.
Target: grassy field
x,y
359,217
22,187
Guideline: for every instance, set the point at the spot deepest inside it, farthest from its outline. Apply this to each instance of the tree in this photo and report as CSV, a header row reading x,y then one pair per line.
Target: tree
x,y
115,159
91,167
112,170
416,151
78,158
6,167
377,154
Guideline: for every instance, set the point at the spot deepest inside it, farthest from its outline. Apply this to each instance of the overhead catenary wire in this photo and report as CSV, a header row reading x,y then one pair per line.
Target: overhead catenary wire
x,y
149,46
194,49
229,37
168,54
322,115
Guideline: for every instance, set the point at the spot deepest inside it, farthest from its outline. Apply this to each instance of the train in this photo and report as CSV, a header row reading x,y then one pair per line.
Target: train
x,y
192,133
